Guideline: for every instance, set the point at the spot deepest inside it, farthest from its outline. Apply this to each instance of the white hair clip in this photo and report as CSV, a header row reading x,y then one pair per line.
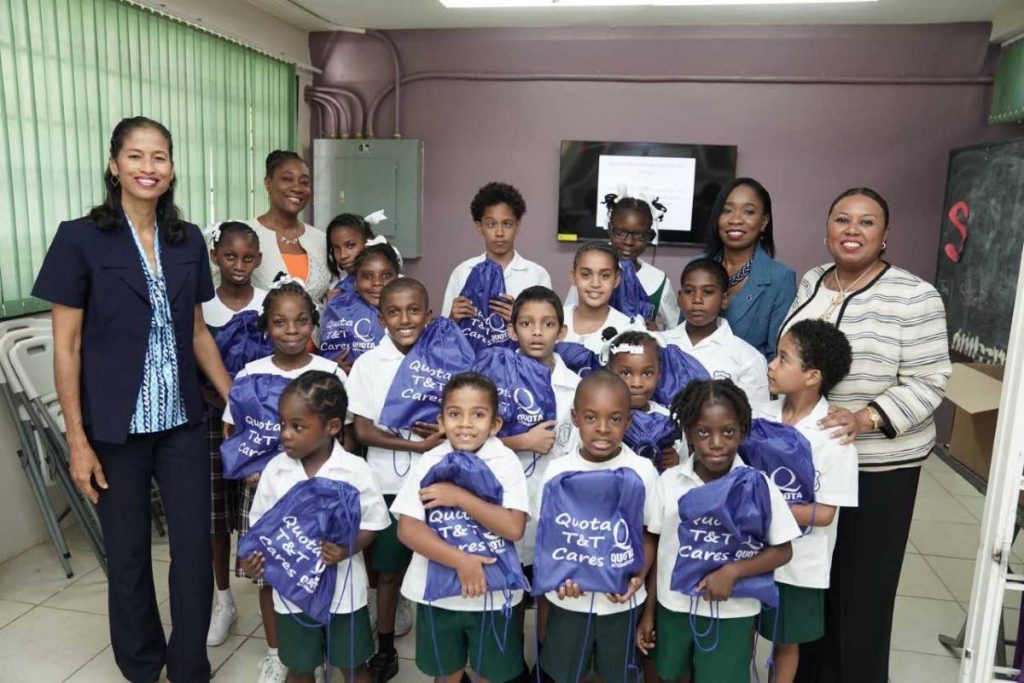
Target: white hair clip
x,y
212,233
631,349
375,217
381,239
287,280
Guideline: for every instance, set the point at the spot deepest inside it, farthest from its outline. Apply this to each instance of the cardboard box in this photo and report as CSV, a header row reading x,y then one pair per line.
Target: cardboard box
x,y
974,388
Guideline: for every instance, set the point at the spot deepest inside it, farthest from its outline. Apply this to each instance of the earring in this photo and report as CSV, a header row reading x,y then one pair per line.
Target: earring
x,y
114,180
883,245
824,240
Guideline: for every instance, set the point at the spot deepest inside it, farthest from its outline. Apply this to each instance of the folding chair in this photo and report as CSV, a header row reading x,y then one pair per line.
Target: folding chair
x,y
33,462
32,363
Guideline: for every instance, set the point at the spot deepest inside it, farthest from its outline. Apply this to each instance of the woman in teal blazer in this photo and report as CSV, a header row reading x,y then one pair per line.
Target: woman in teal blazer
x,y
761,289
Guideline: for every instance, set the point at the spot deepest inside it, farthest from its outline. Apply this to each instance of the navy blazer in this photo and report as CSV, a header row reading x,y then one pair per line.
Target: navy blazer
x,y
101,273
755,313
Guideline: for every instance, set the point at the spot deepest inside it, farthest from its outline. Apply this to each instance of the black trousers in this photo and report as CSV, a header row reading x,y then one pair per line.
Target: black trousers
x,y
179,461
866,565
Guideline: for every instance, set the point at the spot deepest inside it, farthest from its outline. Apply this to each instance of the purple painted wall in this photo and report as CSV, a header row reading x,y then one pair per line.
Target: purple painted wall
x,y
806,143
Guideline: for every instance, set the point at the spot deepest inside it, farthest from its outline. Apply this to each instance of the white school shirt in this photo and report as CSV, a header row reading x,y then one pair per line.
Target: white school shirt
x,y
677,481
519,274
726,356
835,483
593,340
282,473
217,314
564,382
368,387
266,366
574,462
651,278
504,465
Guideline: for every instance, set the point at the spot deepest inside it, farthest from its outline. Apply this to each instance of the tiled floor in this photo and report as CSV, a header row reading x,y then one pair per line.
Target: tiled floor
x,y
55,629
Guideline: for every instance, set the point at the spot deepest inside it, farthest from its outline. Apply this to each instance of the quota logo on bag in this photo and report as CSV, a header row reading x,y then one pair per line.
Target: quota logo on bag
x,y
363,330
786,481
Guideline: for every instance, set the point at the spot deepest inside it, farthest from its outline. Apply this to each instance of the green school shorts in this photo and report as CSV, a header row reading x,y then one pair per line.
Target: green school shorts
x,y
446,639
302,646
801,615
388,553
608,644
679,650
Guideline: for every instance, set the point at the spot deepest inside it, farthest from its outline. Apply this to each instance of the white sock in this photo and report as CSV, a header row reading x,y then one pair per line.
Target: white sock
x,y
272,651
224,597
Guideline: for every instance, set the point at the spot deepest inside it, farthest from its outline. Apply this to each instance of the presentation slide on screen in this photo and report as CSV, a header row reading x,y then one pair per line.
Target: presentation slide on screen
x,y
669,180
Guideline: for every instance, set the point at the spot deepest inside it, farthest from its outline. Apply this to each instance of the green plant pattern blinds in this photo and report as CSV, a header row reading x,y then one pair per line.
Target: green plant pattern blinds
x,y
1008,91
71,69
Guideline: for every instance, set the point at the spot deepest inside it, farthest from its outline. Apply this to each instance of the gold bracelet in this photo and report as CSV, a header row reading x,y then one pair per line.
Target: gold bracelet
x,y
876,419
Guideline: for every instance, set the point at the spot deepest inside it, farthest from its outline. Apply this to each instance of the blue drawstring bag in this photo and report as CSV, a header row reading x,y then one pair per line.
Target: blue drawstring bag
x,y
461,531
525,395
590,530
648,433
253,402
784,455
289,535
349,324
415,393
486,281
577,357
241,342
721,522
629,297
678,368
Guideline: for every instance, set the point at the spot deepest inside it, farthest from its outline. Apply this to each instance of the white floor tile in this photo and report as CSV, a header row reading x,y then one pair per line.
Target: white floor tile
x,y
9,611
918,621
974,504
247,602
913,667
243,665
36,574
29,644
955,574
945,539
955,484
946,508
919,581
100,669
929,487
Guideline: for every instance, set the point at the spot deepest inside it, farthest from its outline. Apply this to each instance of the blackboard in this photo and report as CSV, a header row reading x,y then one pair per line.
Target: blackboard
x,y
985,196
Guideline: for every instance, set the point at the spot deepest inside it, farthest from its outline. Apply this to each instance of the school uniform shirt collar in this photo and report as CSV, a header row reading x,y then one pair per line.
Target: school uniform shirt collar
x,y
679,335
686,469
773,411
492,448
562,376
294,469
517,263
618,461
388,350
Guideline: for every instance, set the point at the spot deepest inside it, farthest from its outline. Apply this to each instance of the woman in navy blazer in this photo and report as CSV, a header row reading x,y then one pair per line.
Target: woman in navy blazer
x,y
127,283
761,289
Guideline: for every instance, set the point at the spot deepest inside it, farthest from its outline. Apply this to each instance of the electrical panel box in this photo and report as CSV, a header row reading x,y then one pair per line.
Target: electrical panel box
x,y
363,176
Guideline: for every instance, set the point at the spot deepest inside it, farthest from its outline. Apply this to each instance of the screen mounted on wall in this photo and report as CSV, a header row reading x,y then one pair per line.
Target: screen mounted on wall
x,y
678,180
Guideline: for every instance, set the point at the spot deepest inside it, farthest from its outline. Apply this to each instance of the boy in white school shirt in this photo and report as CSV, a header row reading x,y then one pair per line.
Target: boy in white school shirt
x,y
448,630
813,357
703,293
497,210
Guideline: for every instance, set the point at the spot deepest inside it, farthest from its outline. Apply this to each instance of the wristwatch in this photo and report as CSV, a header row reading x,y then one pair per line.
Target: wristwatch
x,y
876,419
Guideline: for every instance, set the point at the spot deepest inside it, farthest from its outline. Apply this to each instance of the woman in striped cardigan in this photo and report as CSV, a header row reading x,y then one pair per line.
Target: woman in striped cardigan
x,y
896,325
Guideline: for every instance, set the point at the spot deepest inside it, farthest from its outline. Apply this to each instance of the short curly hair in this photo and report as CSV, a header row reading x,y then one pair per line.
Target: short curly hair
x,y
822,347
497,193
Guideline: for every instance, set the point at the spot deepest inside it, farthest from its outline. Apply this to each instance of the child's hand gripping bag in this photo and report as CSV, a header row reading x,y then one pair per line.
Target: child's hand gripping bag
x,y
525,395
784,455
241,342
590,530
486,281
678,368
289,535
577,357
253,403
629,297
721,522
648,433
461,531
415,393
349,324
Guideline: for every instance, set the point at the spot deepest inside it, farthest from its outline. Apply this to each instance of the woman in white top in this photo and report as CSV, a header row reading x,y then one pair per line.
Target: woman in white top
x,y
290,246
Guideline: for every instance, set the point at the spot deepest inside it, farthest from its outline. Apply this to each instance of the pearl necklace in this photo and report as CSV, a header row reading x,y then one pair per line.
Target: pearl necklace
x,y
286,240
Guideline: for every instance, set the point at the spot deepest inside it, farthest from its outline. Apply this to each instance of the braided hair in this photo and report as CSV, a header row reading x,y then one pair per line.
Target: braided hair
x,y
345,220
286,289
323,392
228,228
614,204
688,403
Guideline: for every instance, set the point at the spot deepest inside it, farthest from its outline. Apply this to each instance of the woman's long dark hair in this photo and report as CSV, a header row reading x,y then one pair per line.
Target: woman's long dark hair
x,y
714,240
109,215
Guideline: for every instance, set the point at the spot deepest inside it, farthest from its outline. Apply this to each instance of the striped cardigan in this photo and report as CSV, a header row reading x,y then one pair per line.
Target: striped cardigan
x,y
896,326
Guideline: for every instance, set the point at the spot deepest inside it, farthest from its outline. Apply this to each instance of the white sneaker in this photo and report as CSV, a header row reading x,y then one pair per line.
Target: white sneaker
x,y
224,614
403,617
371,607
272,670
318,674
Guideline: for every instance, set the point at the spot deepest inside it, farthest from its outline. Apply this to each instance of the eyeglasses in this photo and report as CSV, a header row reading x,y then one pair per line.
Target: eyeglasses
x,y
629,235
491,224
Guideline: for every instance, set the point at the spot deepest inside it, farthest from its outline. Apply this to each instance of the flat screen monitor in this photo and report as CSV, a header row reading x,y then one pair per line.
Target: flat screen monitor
x,y
679,181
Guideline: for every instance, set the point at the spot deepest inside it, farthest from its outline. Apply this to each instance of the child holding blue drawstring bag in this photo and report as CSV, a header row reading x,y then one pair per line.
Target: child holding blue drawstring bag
x,y
724,528
305,536
593,551
461,510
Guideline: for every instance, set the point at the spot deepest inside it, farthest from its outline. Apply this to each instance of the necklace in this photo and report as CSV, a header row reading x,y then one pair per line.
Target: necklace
x,y
286,240
843,292
742,273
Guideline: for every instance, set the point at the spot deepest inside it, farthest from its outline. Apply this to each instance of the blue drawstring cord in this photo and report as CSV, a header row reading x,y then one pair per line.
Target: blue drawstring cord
x,y
532,467
630,662
714,610
586,637
810,527
394,456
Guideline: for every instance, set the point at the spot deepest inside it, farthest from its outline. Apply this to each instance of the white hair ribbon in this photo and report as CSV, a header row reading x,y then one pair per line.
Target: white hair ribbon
x,y
375,217
283,280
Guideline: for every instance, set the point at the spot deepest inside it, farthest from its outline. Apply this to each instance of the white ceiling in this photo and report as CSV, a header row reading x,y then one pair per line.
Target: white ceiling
x,y
324,15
